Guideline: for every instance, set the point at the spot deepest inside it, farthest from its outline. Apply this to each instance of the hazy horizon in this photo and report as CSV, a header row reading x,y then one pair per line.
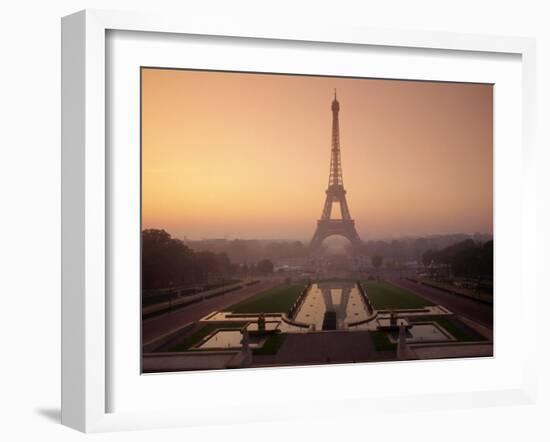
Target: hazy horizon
x,y
290,239
247,155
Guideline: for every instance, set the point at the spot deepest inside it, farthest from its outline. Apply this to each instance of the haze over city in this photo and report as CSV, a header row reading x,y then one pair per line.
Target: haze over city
x,y
247,156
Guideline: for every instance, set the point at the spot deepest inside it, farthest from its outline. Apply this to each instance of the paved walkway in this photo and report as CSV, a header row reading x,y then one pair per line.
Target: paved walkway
x,y
471,309
198,361
166,322
454,351
326,347
164,305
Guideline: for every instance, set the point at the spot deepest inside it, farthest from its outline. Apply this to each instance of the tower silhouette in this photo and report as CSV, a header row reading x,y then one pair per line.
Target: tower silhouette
x,y
335,193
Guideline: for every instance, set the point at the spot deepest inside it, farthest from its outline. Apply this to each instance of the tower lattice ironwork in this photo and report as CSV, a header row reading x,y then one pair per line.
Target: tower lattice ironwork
x,y
335,193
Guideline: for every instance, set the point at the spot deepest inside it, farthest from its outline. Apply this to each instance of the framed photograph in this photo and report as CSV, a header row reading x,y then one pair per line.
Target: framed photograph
x,y
262,213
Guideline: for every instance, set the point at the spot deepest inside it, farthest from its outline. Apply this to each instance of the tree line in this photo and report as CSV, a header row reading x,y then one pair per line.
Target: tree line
x,y
468,259
250,251
167,262
412,249
246,251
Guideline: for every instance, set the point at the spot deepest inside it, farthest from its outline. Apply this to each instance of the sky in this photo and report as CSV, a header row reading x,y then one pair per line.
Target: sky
x,y
245,155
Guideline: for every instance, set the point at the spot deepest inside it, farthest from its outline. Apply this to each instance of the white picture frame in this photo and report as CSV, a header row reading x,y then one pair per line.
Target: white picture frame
x,y
86,317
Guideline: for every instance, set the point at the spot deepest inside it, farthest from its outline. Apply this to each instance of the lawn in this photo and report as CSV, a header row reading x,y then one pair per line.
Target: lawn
x,y
276,300
271,345
385,296
381,341
204,331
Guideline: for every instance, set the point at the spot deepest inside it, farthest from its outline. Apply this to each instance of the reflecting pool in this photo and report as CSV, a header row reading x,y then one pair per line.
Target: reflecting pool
x,y
228,339
418,333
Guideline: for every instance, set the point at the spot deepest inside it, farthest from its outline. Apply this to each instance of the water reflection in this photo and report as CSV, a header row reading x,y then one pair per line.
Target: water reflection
x,y
417,333
229,339
332,305
427,332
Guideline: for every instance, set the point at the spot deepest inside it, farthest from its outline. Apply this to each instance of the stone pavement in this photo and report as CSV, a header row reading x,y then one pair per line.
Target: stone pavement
x,y
328,347
460,350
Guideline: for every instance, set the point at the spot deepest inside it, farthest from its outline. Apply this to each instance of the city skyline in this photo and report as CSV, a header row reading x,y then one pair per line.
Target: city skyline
x,y
234,155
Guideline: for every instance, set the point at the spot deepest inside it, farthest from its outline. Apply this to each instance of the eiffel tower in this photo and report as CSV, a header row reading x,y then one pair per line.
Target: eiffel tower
x,y
335,193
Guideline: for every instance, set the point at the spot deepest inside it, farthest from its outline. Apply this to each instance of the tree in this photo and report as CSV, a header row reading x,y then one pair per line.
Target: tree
x,y
377,261
487,260
466,259
420,247
168,262
265,266
165,261
427,257
206,264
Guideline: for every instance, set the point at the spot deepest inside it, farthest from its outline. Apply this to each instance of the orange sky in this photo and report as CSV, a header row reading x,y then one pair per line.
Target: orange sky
x,y
247,155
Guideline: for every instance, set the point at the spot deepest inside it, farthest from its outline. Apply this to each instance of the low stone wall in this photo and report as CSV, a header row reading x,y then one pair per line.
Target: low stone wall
x,y
294,323
298,303
405,310
366,299
454,343
363,321
196,360
252,315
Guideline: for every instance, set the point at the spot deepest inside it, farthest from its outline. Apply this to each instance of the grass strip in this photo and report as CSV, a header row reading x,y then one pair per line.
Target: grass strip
x,y
271,345
386,296
381,341
275,300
